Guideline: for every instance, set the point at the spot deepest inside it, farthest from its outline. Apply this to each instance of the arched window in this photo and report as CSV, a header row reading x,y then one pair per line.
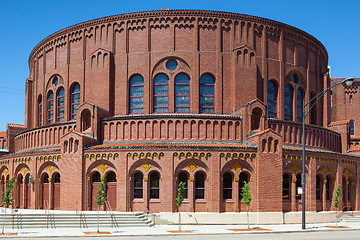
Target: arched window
x,y
96,177
138,185
45,178
199,185
207,93
286,186
161,93
57,178
111,177
227,186
271,99
154,185
60,100
328,190
255,118
86,119
288,102
50,108
299,104
318,188
242,178
352,127
75,99
40,105
182,93
183,177
137,94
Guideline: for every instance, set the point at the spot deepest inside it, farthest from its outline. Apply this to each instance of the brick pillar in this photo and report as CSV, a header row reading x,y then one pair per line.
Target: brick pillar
x,y
311,185
191,191
293,195
324,207
146,191
51,194
236,194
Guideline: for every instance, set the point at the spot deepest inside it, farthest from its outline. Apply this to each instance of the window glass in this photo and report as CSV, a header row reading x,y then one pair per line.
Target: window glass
x,y
75,100
161,92
60,105
227,186
154,185
50,108
286,186
40,110
242,178
199,185
171,65
288,102
137,94
299,104
182,93
138,185
183,177
207,93
352,127
271,99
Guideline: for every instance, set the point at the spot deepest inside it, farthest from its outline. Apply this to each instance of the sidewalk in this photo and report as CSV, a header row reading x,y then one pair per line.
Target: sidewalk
x,y
187,229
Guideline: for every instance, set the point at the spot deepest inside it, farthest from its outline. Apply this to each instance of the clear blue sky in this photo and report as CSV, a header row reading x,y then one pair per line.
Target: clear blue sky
x,y
336,23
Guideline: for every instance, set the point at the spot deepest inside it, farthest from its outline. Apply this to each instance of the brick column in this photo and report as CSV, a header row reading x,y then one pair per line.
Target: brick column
x,y
324,207
293,195
51,194
191,195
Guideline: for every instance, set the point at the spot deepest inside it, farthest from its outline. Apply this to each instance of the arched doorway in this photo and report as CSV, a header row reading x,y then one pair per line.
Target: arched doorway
x,y
20,192
45,190
111,189
95,180
56,193
27,192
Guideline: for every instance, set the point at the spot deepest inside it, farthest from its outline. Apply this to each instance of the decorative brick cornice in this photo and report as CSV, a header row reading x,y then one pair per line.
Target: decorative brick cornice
x,y
173,15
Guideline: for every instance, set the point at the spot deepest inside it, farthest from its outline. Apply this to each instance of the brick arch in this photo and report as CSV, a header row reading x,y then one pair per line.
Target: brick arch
x,y
43,168
182,166
93,167
136,166
183,66
245,166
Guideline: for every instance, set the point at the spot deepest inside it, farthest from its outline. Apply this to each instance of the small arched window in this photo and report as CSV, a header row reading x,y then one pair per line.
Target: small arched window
x,y
45,178
60,100
75,99
161,93
271,99
57,178
138,185
50,108
40,111
183,177
85,119
154,185
137,94
255,118
199,185
298,184
111,177
207,93
96,177
288,102
352,127
318,188
299,104
227,186
182,93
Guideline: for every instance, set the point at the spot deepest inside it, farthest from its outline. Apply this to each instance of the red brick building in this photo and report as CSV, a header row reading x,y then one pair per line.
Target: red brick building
x,y
145,100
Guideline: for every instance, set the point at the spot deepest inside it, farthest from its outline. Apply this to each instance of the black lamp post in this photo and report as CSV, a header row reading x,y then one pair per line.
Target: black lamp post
x,y
348,82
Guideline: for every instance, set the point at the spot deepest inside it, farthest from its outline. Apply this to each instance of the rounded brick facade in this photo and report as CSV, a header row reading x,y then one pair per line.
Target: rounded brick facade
x,y
145,100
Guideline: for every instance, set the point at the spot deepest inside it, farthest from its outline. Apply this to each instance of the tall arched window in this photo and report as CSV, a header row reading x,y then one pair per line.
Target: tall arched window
x,y
50,108
75,99
154,185
328,190
318,188
288,102
138,185
40,105
111,177
96,177
161,93
60,100
298,184
299,104
183,177
57,178
352,127
227,186
271,99
137,94
207,93
182,93
199,185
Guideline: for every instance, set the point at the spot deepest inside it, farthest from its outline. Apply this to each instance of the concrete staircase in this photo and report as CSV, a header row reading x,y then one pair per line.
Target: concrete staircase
x,y
350,219
72,220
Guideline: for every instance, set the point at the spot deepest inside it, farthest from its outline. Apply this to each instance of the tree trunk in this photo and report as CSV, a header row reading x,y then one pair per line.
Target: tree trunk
x,y
247,216
179,221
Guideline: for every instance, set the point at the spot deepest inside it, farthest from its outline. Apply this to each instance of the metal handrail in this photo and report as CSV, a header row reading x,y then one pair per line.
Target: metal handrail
x,y
352,209
47,212
110,212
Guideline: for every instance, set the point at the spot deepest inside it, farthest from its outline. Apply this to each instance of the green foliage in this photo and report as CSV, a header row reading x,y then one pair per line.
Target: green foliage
x,y
101,194
246,195
180,196
8,196
337,197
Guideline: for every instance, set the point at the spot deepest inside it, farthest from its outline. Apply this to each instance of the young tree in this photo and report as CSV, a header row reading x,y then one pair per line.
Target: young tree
x,y
101,198
8,197
337,200
246,199
180,199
